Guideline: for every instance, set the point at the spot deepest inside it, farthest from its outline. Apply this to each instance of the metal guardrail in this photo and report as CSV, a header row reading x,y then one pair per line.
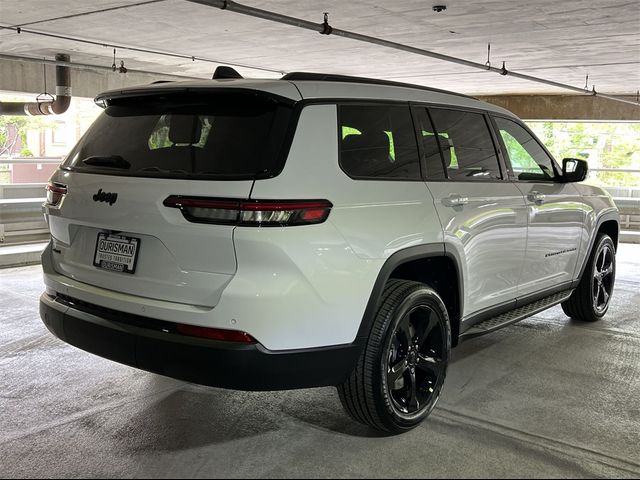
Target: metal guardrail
x,y
31,160
627,199
21,219
615,170
21,204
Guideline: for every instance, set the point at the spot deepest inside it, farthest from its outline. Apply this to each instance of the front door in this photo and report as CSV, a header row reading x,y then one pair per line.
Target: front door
x,y
555,210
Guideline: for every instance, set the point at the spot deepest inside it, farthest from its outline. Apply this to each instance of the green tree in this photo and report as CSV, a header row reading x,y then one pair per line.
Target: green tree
x,y
604,145
22,124
621,149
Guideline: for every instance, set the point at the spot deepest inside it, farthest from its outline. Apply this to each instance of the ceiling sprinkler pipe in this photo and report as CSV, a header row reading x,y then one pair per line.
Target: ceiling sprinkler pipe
x,y
89,67
233,6
58,105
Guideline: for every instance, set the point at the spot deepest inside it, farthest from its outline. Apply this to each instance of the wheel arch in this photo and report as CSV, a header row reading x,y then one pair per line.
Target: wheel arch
x,y
608,223
432,264
611,228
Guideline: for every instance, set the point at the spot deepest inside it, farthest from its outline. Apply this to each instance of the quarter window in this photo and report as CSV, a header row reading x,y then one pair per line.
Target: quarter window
x,y
378,142
467,147
528,159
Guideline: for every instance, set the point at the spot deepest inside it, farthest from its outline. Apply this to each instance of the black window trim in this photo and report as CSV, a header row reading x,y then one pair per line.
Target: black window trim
x,y
415,111
504,167
371,103
421,159
512,176
439,142
336,101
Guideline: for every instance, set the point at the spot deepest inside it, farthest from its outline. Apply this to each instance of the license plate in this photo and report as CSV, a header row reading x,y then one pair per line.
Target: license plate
x,y
116,253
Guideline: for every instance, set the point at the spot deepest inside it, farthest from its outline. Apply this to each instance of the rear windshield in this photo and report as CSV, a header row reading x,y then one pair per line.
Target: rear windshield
x,y
213,136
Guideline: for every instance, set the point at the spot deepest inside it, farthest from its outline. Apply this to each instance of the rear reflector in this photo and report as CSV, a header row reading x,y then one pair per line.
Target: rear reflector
x,y
255,213
215,334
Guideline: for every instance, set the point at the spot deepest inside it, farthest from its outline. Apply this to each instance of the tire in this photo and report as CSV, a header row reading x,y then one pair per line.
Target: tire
x,y
400,373
590,301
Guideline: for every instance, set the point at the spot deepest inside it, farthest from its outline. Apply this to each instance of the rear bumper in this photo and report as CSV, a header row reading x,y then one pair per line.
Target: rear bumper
x,y
150,345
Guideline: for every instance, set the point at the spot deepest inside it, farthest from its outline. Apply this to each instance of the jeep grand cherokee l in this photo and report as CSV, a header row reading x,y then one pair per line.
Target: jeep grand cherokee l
x,y
315,231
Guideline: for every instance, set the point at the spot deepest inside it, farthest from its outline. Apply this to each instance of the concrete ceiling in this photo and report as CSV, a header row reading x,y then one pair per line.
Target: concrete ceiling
x,y
558,40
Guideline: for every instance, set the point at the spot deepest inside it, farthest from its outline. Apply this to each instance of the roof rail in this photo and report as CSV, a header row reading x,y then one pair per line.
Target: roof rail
x,y
329,77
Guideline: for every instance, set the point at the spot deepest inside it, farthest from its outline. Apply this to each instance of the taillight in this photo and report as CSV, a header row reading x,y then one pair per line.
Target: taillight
x,y
215,334
55,193
256,213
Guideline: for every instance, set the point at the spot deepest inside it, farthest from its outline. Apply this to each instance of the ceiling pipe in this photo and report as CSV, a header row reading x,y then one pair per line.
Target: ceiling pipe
x,y
89,66
23,31
326,29
90,12
58,105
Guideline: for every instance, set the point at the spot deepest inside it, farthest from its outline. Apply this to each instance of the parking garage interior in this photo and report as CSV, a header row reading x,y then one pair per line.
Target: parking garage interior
x,y
545,397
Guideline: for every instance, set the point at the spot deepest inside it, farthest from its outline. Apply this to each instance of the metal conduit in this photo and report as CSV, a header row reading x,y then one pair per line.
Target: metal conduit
x,y
324,28
58,105
22,31
88,66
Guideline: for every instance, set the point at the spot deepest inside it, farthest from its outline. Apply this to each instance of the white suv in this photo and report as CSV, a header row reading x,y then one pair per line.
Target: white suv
x,y
315,230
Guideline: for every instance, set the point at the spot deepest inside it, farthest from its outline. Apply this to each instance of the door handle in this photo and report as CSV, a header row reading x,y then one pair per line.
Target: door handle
x,y
455,200
536,197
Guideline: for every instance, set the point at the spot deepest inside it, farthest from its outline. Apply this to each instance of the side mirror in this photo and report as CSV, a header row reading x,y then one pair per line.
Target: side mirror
x,y
574,170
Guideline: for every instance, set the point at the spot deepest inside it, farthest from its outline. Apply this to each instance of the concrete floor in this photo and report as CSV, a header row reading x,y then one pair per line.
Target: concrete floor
x,y
548,397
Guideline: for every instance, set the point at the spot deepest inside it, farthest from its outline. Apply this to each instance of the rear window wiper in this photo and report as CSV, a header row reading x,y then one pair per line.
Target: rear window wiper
x,y
113,161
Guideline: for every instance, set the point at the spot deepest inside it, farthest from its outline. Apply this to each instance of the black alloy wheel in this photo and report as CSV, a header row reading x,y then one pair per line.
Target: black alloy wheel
x,y
415,363
398,378
603,279
590,301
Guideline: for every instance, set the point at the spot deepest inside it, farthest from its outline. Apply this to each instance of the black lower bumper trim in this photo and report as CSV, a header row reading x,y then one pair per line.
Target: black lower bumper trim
x,y
206,362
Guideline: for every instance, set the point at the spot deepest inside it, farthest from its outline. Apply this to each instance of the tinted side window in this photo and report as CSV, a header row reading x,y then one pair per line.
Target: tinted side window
x,y
378,142
529,161
430,148
465,138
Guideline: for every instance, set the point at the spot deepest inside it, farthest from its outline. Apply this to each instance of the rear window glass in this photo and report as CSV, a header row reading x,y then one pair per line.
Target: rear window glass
x,y
467,146
378,142
215,136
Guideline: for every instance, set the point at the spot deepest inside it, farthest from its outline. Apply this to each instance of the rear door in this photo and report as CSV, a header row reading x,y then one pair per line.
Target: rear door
x,y
556,211
112,229
482,214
